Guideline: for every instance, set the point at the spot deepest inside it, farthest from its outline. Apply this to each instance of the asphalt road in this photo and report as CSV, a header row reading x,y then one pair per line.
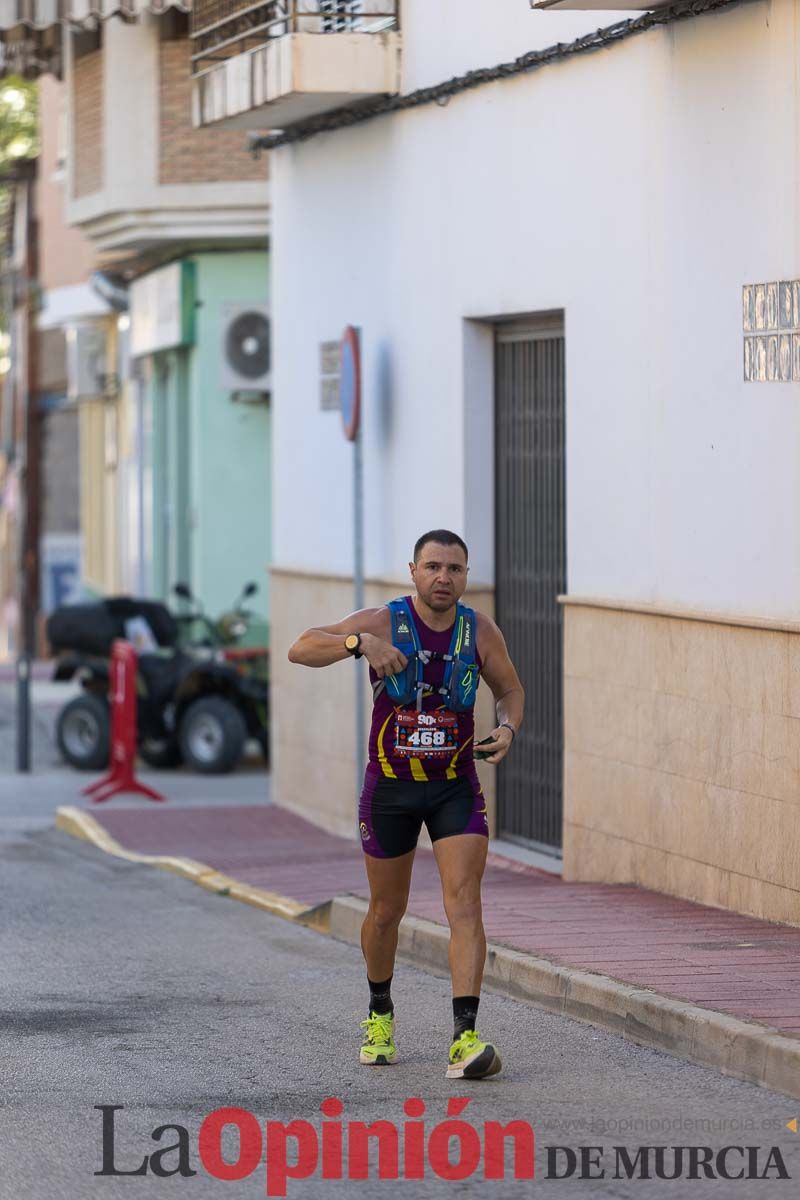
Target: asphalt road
x,y
51,782
122,985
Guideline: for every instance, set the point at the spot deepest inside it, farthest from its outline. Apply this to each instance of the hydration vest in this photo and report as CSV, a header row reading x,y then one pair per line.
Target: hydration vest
x,y
461,676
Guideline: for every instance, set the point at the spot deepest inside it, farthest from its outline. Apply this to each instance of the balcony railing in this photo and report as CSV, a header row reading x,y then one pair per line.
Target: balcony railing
x,y
221,29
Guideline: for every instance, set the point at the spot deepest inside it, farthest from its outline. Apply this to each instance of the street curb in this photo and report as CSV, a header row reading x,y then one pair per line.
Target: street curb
x,y
742,1049
82,825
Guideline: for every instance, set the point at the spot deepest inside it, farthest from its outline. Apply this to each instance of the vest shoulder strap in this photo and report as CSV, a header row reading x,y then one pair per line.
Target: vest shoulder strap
x,y
404,631
463,644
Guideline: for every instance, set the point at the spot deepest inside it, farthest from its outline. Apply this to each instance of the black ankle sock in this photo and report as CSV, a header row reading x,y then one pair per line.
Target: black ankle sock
x,y
465,1012
380,996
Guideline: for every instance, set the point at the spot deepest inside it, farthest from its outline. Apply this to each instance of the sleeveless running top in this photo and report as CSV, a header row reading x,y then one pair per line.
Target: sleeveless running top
x,y
436,744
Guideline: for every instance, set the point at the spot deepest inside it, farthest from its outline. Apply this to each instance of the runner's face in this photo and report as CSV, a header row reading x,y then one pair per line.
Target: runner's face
x,y
440,575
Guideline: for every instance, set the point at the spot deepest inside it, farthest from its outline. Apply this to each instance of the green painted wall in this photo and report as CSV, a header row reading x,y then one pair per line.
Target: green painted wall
x,y
211,454
229,470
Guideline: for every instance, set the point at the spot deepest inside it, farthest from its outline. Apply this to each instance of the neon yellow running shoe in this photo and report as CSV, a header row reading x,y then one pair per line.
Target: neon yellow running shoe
x,y
378,1048
470,1058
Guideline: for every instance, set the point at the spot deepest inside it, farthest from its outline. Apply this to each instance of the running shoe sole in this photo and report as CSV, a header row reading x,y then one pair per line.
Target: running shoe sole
x,y
480,1065
377,1060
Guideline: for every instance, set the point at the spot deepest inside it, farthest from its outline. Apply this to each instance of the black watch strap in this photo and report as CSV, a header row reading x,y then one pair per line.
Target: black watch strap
x,y
357,652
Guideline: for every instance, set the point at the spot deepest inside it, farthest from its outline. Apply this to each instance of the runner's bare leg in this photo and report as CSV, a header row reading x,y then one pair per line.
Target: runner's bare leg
x,y
389,885
461,860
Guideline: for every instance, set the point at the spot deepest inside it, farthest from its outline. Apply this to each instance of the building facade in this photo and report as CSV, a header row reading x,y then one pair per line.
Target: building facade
x,y
548,263
48,295
68,303
174,425
201,443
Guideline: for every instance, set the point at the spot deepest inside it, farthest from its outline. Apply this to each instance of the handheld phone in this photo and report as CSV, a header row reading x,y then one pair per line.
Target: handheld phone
x,y
483,753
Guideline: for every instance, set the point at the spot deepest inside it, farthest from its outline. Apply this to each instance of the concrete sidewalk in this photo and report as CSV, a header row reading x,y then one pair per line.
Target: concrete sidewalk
x,y
41,668
47,699
699,982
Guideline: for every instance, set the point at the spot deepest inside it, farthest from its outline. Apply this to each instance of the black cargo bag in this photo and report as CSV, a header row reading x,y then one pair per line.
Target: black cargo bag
x,y
92,628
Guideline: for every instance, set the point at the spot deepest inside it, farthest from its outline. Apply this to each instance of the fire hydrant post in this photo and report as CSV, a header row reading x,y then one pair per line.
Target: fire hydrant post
x,y
122,696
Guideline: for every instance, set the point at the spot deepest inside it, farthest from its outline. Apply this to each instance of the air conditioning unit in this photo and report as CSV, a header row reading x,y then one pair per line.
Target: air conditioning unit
x,y
246,351
87,362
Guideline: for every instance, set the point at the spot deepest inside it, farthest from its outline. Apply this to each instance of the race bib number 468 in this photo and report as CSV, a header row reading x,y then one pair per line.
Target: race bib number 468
x,y
426,734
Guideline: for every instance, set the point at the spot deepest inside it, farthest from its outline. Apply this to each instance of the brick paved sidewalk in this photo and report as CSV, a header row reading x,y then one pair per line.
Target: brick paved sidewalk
x,y
707,956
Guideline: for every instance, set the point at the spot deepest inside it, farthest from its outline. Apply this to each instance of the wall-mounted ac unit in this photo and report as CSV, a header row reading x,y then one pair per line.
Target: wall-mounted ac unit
x,y
246,351
87,363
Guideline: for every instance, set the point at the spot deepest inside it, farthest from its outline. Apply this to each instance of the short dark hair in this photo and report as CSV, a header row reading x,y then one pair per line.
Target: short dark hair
x,y
445,537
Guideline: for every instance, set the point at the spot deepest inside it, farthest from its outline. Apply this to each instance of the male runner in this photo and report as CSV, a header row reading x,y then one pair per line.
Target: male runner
x,y
408,780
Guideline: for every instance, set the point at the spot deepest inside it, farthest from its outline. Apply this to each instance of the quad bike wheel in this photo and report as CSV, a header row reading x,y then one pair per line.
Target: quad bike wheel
x,y
83,732
212,735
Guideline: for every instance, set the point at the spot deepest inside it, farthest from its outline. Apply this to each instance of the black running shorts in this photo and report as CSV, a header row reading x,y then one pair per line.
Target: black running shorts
x,y
391,812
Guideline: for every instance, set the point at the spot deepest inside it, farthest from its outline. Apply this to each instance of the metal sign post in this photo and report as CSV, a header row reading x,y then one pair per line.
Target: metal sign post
x,y
350,399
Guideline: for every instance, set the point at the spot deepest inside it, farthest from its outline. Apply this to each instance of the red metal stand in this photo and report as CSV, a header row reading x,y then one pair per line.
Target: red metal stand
x,y
123,730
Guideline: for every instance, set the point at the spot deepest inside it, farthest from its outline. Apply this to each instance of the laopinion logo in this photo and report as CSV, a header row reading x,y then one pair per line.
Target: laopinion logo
x,y
453,1149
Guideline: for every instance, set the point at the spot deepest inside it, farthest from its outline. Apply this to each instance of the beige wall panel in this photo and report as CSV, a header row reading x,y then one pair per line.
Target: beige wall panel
x,y
792,704
728,746
590,855
313,711
686,779
699,881
596,647
756,896
725,664
650,807
719,664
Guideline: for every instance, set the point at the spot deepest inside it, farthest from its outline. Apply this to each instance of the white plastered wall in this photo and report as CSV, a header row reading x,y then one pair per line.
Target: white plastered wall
x,y
637,188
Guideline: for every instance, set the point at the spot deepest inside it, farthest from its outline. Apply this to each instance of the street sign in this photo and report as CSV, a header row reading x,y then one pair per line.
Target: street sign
x,y
350,382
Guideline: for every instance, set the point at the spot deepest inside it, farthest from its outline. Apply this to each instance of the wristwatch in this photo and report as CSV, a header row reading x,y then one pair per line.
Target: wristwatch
x,y
352,644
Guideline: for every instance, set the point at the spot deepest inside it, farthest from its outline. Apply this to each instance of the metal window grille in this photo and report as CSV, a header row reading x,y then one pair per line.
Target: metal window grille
x,y
340,16
530,541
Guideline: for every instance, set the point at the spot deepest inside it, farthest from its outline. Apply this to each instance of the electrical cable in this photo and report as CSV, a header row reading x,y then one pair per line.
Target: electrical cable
x,y
610,35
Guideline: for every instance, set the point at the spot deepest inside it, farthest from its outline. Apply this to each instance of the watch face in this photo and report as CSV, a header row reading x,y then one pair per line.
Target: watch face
x,y
351,641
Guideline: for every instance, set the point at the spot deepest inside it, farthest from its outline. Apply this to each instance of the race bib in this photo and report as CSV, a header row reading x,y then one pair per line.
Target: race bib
x,y
429,735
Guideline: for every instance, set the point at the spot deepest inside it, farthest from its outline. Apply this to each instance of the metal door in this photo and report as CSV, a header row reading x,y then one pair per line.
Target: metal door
x,y
530,542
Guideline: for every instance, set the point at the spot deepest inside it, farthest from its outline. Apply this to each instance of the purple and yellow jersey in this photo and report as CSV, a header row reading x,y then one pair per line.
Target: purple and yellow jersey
x,y
435,743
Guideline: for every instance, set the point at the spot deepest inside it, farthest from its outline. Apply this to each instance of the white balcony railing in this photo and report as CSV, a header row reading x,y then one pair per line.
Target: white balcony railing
x,y
272,64
221,29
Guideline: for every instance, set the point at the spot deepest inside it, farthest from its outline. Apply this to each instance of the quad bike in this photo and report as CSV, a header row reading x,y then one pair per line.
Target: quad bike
x,y
226,638
193,705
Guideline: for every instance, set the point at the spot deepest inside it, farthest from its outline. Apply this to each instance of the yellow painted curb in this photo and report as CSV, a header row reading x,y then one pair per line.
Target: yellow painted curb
x,y
80,824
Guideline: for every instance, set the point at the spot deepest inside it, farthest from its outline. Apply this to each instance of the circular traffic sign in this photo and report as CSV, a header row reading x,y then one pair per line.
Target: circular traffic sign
x,y
350,382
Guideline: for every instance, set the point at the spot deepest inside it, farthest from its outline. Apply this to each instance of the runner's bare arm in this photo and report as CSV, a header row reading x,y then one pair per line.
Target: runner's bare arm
x,y
500,674
324,646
